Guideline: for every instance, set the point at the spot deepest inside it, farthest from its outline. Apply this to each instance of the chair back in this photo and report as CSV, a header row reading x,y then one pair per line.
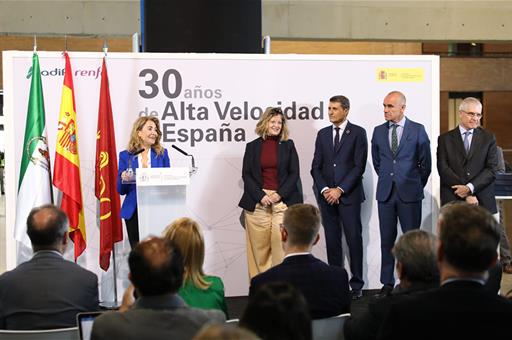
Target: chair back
x,y
329,328
46,334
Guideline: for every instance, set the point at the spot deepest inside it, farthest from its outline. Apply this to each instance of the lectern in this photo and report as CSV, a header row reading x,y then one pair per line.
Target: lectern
x,y
161,198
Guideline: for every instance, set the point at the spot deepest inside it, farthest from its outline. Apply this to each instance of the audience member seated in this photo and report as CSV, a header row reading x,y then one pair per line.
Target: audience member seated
x,y
225,332
416,266
47,291
277,311
156,272
461,308
198,290
324,287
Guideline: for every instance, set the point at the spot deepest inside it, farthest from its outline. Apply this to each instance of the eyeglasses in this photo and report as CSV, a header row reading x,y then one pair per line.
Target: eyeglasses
x,y
473,114
277,110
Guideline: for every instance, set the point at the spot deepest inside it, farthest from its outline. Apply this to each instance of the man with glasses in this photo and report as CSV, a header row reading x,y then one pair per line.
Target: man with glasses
x,y
467,159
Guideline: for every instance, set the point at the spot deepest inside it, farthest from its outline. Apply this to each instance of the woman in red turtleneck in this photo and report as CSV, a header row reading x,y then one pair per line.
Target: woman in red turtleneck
x,y
271,184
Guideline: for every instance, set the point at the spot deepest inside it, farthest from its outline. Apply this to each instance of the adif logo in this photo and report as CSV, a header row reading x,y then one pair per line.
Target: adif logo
x,y
59,72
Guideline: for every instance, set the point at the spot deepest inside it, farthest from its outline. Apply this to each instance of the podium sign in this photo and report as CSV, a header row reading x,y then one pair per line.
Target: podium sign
x,y
161,198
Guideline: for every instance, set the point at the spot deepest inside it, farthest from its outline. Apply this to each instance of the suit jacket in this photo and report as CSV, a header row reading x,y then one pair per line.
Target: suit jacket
x,y
324,287
477,167
287,172
130,201
46,292
457,310
154,317
343,167
366,325
409,168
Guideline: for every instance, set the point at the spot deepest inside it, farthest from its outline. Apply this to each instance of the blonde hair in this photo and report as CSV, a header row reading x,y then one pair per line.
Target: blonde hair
x,y
135,142
186,235
262,126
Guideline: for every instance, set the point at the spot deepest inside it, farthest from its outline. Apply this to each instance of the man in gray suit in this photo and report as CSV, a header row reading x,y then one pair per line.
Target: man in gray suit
x,y
156,272
46,291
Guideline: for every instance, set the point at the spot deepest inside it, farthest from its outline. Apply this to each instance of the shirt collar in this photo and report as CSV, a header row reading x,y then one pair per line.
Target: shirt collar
x,y
297,254
463,131
400,123
342,125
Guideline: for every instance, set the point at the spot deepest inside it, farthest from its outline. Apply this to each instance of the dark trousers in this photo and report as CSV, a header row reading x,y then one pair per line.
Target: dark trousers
x,y
390,212
340,218
132,227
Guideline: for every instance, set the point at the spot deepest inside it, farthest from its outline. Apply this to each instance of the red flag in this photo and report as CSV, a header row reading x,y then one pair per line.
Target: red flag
x,y
66,176
106,175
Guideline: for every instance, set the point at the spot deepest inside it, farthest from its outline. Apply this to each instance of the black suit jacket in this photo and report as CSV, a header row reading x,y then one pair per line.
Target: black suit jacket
x,y
366,325
325,287
477,167
288,174
46,292
457,310
343,167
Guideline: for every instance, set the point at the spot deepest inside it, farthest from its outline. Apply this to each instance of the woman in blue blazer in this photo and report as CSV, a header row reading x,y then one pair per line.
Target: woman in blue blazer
x,y
271,184
144,151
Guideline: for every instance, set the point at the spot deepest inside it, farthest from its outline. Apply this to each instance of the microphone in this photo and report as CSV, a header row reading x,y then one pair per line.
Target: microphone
x,y
194,169
179,150
135,153
129,170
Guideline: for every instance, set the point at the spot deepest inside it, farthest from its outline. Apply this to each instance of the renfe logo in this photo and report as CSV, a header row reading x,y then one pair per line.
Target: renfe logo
x,y
59,72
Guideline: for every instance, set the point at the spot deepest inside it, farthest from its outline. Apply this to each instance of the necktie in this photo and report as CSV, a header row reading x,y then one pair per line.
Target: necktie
x,y
466,140
394,139
336,138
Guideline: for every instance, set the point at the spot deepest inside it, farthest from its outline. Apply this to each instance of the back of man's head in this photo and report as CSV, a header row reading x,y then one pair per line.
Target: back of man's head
x,y
468,236
156,267
46,227
415,251
302,222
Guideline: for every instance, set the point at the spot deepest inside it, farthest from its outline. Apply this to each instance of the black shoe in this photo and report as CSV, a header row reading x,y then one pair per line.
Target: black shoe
x,y
385,291
356,294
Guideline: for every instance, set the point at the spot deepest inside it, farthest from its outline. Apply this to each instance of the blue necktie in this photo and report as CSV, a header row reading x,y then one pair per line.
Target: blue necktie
x,y
466,141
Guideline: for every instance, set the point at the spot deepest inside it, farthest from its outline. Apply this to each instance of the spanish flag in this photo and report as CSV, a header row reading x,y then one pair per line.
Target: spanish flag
x,y
66,175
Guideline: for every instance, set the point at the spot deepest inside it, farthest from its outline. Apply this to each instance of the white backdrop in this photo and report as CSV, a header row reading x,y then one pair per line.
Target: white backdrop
x,y
209,105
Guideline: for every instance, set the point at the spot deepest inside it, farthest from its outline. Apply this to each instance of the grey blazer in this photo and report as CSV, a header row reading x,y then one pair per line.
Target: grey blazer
x,y
46,292
154,317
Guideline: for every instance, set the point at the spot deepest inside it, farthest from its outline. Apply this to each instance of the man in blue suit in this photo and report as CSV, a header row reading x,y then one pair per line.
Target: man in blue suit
x,y
324,287
338,165
401,158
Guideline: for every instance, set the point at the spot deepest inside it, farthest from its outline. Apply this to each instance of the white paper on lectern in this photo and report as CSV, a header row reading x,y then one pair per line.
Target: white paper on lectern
x,y
161,198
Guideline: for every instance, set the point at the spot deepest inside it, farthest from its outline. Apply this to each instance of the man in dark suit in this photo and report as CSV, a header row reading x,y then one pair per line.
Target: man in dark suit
x,y
47,291
324,287
341,151
156,272
401,158
461,308
416,266
467,159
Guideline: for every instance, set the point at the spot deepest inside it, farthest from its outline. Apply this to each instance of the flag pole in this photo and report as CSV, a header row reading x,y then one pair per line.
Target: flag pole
x,y
105,50
35,43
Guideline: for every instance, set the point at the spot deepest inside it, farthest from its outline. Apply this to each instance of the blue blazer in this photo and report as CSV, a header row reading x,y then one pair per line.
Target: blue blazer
x,y
324,287
343,167
409,168
130,201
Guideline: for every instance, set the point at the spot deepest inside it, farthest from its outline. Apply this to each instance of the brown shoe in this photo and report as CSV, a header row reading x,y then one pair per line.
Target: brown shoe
x,y
507,268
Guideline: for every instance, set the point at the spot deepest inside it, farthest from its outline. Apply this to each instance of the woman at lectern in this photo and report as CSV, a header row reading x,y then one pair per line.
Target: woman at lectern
x,y
271,183
144,151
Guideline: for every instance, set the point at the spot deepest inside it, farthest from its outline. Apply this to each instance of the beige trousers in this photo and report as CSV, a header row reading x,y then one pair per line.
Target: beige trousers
x,y
262,228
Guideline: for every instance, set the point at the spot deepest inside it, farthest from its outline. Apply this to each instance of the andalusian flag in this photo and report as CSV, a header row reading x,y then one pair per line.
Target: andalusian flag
x,y
34,187
106,175
66,175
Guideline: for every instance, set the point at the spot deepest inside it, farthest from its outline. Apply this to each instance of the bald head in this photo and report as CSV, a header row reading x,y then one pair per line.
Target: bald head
x,y
46,227
156,267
